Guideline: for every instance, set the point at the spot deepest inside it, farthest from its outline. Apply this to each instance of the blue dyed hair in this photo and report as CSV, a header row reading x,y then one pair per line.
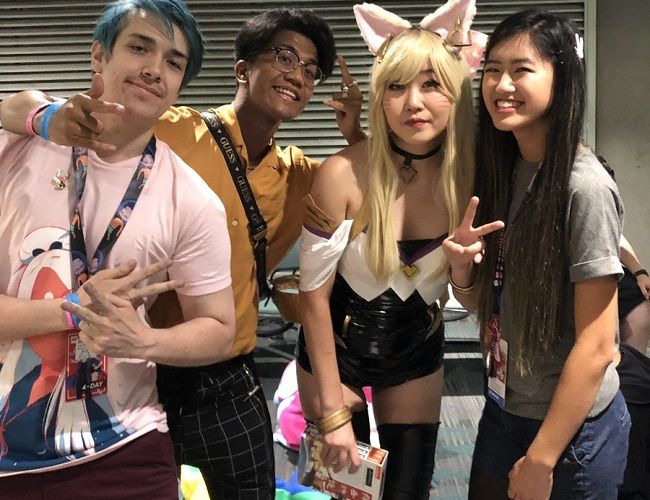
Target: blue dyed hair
x,y
168,12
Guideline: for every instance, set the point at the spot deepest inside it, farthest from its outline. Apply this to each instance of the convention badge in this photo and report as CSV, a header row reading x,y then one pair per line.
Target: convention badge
x,y
85,372
497,377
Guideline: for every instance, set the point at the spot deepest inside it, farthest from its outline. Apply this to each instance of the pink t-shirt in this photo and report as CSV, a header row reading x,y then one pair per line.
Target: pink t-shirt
x,y
61,404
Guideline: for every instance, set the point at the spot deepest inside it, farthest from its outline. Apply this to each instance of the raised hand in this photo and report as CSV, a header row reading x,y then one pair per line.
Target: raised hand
x,y
122,281
347,105
465,245
78,122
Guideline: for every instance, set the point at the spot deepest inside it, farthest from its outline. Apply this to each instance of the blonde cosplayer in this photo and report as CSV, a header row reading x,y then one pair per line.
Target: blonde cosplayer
x,y
404,57
373,318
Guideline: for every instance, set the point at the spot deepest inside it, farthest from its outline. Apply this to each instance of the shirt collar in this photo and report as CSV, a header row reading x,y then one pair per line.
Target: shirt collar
x,y
228,117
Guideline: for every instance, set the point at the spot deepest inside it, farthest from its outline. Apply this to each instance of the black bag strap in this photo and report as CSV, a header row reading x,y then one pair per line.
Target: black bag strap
x,y
256,223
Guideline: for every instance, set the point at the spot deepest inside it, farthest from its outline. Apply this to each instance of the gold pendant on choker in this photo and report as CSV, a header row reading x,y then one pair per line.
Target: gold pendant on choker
x,y
410,270
58,181
407,173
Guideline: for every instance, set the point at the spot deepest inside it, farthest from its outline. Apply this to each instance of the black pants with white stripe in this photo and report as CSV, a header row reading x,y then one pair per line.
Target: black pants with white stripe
x,y
223,427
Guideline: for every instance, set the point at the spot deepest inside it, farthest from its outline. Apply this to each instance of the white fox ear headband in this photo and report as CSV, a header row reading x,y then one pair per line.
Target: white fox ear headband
x,y
451,22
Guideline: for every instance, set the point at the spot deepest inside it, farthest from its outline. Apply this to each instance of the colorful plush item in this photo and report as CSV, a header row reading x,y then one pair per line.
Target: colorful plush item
x,y
292,490
291,421
193,487
192,484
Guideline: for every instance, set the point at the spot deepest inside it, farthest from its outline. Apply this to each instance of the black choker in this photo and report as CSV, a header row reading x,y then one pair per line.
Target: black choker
x,y
408,172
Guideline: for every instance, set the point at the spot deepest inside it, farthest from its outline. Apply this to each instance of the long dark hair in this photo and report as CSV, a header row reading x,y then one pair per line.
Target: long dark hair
x,y
536,253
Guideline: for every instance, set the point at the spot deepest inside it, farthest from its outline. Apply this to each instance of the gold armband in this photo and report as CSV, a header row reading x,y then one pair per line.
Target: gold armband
x,y
334,420
460,290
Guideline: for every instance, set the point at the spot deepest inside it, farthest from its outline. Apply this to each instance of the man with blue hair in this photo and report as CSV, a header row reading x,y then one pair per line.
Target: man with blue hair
x,y
79,409
218,413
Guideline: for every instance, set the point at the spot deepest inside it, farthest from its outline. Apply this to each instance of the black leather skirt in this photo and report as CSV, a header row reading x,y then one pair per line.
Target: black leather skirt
x,y
383,342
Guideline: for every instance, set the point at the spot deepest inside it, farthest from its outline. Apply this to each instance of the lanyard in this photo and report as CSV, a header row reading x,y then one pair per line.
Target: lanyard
x,y
504,238
499,274
81,268
493,326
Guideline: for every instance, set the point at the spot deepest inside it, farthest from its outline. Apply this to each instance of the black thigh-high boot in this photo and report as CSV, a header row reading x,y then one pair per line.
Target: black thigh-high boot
x,y
411,454
361,425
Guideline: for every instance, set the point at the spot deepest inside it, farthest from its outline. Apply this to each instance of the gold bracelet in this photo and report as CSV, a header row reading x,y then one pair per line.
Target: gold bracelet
x,y
460,290
334,420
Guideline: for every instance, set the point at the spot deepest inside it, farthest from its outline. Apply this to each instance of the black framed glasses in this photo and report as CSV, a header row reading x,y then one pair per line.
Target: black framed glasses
x,y
286,61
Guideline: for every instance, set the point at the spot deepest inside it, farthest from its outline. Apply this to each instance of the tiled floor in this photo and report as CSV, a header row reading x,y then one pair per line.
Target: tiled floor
x,y
461,407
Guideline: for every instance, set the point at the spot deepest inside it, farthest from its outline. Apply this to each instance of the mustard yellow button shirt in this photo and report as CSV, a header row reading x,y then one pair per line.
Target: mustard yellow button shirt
x,y
279,182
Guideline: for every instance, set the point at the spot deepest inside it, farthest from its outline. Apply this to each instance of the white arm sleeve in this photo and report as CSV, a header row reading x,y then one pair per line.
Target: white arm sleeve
x,y
319,256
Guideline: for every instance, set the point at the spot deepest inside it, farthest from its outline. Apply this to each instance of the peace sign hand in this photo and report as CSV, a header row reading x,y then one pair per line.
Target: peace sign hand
x,y
117,330
347,105
123,281
465,245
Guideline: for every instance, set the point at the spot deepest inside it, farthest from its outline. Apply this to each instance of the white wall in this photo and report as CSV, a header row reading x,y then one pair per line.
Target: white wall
x,y
623,109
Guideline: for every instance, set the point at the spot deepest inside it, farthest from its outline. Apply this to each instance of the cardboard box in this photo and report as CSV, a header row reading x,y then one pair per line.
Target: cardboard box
x,y
367,483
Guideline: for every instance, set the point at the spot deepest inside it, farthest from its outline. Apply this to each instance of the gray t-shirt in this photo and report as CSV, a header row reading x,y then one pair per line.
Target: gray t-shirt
x,y
594,222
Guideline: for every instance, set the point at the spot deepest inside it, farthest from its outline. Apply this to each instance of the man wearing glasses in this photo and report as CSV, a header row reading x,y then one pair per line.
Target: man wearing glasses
x,y
281,55
218,414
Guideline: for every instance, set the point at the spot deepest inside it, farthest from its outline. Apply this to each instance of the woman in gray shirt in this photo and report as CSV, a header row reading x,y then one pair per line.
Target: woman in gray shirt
x,y
555,424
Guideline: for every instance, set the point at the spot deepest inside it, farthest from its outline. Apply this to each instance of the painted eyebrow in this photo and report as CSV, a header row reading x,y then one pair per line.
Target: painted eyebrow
x,y
150,41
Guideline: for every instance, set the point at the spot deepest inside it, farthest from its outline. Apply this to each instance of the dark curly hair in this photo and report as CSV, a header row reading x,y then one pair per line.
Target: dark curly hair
x,y
256,34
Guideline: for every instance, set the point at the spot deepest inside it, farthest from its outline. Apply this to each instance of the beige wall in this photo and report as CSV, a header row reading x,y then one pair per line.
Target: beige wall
x,y
623,109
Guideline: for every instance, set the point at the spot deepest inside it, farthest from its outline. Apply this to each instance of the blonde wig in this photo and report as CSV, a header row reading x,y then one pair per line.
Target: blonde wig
x,y
402,60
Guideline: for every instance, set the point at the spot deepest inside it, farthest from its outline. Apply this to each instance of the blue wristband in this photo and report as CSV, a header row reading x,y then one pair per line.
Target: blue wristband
x,y
44,125
74,298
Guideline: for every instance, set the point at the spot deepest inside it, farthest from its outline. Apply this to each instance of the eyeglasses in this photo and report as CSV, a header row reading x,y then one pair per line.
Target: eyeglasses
x,y
286,61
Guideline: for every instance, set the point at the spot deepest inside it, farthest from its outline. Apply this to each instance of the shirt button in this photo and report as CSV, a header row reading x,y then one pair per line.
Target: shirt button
x,y
235,223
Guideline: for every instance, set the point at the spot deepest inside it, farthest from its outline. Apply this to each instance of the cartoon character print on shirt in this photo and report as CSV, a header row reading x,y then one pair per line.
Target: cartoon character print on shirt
x,y
35,415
